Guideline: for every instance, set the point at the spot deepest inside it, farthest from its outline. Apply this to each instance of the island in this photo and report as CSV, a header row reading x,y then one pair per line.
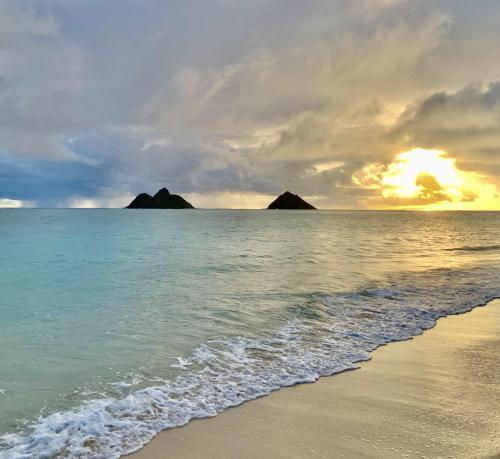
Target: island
x,y
161,200
290,201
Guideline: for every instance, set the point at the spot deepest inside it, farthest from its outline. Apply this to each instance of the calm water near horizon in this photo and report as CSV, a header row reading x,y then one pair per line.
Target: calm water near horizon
x,y
116,324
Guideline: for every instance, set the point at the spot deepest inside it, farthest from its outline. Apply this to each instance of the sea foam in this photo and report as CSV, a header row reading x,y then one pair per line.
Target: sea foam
x,y
327,335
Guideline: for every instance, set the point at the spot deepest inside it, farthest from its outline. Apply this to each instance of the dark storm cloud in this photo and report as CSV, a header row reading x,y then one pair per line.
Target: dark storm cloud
x,y
46,180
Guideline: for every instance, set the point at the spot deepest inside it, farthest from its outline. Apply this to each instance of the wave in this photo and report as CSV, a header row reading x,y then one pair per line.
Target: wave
x,y
475,248
329,334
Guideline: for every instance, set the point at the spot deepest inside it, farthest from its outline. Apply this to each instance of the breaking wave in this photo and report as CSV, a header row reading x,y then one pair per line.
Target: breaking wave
x,y
327,334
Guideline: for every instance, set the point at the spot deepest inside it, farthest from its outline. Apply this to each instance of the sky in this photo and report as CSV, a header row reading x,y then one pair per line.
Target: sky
x,y
353,104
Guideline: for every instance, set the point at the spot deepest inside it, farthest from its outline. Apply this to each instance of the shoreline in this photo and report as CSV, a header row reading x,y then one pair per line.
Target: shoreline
x,y
429,396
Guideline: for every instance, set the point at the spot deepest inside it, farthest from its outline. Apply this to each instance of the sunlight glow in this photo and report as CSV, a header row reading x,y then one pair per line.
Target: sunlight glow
x,y
421,173
428,180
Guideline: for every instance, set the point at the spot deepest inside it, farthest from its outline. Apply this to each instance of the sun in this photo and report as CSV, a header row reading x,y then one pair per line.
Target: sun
x,y
426,179
424,174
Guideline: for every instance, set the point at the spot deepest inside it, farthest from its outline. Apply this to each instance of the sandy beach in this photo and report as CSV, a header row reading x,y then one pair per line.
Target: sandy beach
x,y
434,396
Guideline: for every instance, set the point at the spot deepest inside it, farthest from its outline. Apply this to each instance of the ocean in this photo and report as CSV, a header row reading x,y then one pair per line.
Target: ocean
x,y
117,324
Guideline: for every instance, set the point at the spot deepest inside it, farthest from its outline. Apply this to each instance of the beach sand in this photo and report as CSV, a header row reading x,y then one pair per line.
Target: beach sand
x,y
437,395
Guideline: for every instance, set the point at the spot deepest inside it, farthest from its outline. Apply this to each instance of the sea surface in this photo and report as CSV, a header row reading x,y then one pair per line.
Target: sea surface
x,y
116,324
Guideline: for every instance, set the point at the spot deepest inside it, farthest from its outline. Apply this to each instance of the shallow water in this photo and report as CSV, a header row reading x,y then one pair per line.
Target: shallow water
x,y
115,324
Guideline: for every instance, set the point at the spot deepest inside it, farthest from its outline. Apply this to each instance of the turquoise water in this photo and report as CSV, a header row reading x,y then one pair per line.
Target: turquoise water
x,y
115,324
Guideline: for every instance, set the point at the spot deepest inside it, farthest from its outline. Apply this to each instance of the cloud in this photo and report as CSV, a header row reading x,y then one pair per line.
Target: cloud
x,y
229,99
230,200
108,200
14,203
23,24
466,122
421,177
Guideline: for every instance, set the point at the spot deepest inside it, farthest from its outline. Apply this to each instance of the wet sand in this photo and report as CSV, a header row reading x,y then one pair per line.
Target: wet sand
x,y
435,396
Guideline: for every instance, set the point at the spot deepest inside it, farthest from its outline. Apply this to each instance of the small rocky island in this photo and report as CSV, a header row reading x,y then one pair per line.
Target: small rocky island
x,y
161,200
290,201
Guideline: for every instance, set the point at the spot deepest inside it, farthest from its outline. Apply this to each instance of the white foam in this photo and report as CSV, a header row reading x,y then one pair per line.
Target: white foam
x,y
181,363
328,335
131,379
